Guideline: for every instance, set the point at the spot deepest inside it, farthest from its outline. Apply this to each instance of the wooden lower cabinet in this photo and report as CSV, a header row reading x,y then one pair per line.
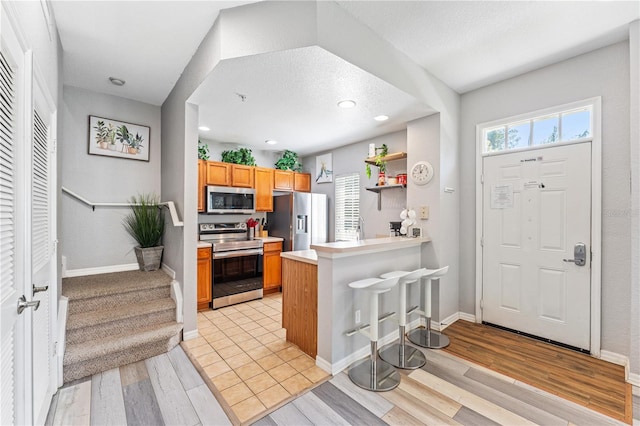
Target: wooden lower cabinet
x,y
204,278
300,304
272,267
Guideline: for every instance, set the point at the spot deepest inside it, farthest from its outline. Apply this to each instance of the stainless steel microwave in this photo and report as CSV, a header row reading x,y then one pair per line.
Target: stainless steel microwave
x,y
227,200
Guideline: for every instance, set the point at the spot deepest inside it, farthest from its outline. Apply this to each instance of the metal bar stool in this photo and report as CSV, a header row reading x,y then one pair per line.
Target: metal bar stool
x,y
373,374
426,337
399,354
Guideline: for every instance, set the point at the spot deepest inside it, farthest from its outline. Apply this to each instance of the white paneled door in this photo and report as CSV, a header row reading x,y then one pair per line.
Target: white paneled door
x,y
536,215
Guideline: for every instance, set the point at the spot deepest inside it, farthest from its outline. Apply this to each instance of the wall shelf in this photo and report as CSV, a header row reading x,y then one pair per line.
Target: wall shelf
x,y
388,157
379,189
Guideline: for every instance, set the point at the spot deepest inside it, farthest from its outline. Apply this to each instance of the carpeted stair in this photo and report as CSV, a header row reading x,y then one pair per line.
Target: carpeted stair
x,y
116,319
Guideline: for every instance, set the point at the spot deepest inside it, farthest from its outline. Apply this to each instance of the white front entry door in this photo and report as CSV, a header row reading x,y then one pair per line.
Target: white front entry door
x,y
536,209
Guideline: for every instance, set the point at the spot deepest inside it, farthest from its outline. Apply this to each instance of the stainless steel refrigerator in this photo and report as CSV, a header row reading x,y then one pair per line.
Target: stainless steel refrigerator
x,y
301,218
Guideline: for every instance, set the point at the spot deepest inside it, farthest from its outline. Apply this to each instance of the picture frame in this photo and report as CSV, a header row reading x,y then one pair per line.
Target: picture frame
x,y
121,139
324,168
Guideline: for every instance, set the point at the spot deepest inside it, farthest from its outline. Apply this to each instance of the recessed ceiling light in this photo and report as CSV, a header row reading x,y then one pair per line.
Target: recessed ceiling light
x,y
116,81
347,103
381,117
204,128
270,142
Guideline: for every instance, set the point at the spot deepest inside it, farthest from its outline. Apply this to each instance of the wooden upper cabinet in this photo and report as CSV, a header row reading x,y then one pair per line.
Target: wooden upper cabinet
x,y
302,182
218,173
242,176
202,182
283,180
264,189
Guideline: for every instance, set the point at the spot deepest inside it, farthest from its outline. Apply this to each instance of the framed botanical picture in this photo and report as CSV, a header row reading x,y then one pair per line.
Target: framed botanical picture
x,y
324,168
118,139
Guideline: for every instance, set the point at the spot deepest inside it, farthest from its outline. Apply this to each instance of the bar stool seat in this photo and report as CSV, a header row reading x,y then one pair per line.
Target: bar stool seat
x,y
374,374
399,354
425,337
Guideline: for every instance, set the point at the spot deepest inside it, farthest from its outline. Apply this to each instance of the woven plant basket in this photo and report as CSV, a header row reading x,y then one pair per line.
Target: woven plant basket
x,y
149,258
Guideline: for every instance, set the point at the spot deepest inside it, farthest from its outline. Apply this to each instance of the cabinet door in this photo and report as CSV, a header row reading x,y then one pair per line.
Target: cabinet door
x,y
302,182
218,173
202,181
272,265
204,278
283,180
242,176
264,189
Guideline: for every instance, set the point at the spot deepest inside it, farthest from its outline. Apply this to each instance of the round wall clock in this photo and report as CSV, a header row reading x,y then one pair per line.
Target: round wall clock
x,y
421,172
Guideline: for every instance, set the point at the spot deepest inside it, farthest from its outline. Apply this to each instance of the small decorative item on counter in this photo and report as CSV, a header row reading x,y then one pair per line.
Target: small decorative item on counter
x,y
251,224
408,217
402,179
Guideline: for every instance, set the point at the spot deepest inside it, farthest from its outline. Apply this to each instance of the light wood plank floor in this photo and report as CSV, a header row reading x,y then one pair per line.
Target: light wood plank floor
x,y
577,377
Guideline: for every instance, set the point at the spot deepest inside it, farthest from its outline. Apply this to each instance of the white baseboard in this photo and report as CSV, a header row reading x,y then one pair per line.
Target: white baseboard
x,y
99,270
363,352
188,335
169,271
176,295
467,317
63,307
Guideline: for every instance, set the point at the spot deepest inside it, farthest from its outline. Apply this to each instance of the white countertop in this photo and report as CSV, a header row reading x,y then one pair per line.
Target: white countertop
x,y
373,245
270,239
306,256
203,244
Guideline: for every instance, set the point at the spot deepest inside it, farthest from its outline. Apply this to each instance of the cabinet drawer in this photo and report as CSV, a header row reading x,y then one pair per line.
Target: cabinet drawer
x,y
275,246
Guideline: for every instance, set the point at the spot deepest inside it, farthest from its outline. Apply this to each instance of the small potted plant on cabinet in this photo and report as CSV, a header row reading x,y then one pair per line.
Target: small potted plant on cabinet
x,y
381,152
239,156
145,223
289,161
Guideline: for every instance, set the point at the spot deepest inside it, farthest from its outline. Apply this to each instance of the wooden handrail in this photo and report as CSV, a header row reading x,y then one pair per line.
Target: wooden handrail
x,y
168,204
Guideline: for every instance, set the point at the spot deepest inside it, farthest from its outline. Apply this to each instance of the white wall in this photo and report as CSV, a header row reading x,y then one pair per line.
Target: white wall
x,y
603,72
91,239
350,159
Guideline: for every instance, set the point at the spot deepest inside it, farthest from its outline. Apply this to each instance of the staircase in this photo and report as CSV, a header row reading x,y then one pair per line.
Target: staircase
x,y
116,319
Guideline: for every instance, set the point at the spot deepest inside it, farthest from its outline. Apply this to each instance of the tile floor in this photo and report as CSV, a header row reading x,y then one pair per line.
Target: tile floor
x,y
243,351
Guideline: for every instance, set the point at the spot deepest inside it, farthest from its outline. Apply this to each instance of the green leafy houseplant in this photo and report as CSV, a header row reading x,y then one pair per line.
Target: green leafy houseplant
x,y
203,151
123,135
239,156
136,142
289,161
381,152
145,223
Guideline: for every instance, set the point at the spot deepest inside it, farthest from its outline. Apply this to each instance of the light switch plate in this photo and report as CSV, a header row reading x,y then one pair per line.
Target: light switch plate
x,y
424,212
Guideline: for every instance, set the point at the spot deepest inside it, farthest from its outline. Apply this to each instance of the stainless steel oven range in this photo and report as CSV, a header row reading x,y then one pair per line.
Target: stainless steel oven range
x,y
236,273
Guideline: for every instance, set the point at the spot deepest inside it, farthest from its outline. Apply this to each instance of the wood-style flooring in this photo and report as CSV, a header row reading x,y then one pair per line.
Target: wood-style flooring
x,y
596,384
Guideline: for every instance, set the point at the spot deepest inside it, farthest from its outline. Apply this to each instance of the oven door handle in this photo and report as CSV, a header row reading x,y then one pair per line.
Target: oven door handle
x,y
237,253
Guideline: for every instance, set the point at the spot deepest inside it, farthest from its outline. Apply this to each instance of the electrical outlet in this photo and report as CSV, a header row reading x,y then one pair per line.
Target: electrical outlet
x,y
357,316
424,212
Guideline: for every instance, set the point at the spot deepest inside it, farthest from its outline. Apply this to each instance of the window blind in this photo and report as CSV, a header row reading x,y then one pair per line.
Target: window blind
x,y
347,206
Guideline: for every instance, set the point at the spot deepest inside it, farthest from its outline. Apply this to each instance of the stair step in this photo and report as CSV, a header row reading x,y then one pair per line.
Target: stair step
x,y
107,291
102,323
94,356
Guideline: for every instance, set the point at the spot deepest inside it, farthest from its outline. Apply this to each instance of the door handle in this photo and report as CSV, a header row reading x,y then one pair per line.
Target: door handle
x,y
39,289
23,304
579,255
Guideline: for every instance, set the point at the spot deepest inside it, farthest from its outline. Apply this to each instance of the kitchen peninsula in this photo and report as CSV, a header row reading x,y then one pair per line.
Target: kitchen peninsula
x,y
317,298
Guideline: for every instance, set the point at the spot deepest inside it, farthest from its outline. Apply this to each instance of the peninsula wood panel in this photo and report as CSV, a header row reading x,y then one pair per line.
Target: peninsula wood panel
x,y
272,278
202,181
264,189
204,278
300,304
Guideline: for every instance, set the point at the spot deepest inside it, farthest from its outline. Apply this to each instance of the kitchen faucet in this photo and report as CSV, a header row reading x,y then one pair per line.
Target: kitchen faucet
x,y
360,229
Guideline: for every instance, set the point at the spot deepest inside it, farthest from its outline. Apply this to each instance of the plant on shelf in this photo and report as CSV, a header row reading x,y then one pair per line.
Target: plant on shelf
x,y
203,151
145,223
239,156
381,152
288,161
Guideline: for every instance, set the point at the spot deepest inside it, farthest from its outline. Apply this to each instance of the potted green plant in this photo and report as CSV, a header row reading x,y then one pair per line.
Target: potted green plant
x,y
203,151
102,134
239,156
289,161
111,137
145,223
135,143
381,152
123,135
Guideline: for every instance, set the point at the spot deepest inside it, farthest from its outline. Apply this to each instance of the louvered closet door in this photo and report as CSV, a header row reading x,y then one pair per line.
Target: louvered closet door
x,y
12,346
43,262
